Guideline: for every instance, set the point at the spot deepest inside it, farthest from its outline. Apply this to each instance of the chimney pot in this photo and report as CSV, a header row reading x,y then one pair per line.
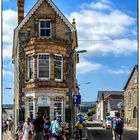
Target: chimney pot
x,y
20,4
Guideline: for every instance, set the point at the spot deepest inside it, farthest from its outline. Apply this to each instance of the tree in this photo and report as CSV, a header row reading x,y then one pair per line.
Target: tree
x,y
91,111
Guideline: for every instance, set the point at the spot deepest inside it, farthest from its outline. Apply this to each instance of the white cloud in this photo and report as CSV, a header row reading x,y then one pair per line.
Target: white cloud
x,y
102,30
85,66
8,73
121,70
9,23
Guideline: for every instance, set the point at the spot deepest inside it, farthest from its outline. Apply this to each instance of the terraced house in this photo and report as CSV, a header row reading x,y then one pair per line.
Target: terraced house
x,y
44,59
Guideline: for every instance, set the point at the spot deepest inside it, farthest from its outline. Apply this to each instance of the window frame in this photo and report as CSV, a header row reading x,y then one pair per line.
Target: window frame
x,y
60,68
30,102
129,100
43,78
45,28
59,106
28,68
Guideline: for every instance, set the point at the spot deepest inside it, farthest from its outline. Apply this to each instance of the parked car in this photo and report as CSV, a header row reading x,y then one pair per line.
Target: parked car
x,y
90,119
107,123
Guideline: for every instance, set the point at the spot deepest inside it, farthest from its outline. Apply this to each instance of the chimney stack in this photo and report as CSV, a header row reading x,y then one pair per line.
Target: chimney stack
x,y
20,4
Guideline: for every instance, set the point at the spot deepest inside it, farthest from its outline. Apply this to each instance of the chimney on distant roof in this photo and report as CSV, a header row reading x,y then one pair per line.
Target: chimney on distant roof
x,y
20,4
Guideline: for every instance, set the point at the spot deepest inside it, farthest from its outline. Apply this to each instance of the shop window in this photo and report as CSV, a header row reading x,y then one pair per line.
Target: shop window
x,y
58,106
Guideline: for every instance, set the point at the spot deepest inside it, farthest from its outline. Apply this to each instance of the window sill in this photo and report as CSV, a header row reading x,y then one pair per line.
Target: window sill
x,y
43,79
45,37
29,80
58,80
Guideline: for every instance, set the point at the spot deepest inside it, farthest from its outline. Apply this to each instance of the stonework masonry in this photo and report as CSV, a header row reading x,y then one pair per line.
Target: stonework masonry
x,y
131,100
62,41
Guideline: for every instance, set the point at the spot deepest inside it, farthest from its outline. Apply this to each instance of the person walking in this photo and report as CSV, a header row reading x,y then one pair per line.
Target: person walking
x,y
27,130
47,124
80,124
117,126
57,129
38,127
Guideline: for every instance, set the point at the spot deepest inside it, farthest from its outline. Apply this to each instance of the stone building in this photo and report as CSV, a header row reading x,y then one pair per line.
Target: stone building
x,y
131,99
106,104
44,59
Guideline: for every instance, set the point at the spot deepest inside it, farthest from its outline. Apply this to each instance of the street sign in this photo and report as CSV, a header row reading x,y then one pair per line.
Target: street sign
x,y
77,99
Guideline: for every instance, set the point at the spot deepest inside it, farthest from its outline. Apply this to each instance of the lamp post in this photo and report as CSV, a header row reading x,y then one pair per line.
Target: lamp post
x,y
72,82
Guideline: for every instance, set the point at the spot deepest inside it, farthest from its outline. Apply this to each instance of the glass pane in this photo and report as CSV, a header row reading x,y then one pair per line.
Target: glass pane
x,y
42,24
57,64
43,56
58,57
47,24
48,33
43,63
43,72
57,73
42,32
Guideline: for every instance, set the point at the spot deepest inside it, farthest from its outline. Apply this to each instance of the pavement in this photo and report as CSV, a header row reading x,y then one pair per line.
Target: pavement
x,y
7,135
130,128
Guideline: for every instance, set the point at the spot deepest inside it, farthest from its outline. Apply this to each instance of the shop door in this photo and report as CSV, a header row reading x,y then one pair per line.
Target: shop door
x,y
44,110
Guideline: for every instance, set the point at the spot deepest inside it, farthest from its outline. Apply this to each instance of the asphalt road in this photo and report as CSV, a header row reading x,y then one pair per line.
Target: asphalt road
x,y
96,132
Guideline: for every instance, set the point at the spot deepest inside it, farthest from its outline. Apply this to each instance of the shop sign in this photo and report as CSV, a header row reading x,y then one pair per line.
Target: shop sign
x,y
43,101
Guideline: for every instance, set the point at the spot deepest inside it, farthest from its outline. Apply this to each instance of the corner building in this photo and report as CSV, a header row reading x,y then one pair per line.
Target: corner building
x,y
44,59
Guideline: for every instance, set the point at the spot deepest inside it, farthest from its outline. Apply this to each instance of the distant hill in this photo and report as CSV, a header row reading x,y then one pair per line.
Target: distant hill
x,y
8,106
86,105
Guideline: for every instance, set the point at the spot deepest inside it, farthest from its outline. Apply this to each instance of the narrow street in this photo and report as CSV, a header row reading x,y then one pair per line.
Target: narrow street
x,y
96,132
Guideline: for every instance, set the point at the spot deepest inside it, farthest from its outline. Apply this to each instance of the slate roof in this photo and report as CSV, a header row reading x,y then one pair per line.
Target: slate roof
x,y
105,93
135,68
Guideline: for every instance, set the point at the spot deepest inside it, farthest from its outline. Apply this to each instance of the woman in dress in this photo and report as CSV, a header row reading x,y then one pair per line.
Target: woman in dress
x,y
27,129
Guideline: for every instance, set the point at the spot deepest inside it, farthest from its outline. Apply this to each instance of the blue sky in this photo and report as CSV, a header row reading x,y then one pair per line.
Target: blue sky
x,y
107,29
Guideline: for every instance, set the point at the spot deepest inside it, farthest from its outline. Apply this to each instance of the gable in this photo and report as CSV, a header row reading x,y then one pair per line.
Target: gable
x,y
133,76
36,6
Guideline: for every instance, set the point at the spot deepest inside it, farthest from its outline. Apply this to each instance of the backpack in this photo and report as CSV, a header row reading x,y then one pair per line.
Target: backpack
x,y
117,123
80,120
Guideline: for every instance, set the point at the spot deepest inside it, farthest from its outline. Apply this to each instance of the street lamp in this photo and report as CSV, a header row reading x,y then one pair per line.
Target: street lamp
x,y
71,81
84,83
81,51
8,88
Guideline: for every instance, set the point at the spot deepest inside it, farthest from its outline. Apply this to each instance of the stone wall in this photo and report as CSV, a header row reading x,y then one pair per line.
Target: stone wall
x,y
132,88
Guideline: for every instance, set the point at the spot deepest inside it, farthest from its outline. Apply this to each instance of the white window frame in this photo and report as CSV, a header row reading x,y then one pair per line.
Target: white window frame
x,y
28,69
30,102
43,78
61,68
129,100
45,28
60,108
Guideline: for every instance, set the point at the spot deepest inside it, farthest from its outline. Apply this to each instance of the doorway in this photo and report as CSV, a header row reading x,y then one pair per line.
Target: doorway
x,y
44,110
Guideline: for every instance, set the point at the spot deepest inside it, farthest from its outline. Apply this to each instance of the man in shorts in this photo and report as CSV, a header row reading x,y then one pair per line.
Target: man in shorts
x,y
117,126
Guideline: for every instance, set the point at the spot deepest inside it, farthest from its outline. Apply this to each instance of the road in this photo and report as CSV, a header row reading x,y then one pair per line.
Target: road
x,y
96,132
